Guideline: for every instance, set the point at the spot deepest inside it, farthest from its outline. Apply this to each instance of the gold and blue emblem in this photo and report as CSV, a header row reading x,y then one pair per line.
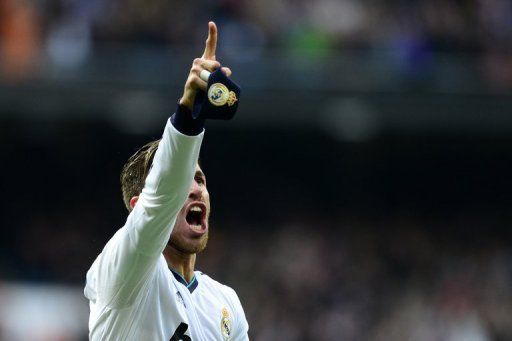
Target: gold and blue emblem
x,y
232,98
218,94
225,324
220,100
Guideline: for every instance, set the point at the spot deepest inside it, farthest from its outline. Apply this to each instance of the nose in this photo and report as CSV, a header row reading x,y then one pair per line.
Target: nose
x,y
196,192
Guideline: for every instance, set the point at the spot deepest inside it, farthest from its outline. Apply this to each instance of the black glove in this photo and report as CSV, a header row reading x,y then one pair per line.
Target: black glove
x,y
220,101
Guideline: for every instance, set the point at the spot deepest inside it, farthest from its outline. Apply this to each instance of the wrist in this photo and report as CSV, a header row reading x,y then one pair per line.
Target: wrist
x,y
183,121
187,101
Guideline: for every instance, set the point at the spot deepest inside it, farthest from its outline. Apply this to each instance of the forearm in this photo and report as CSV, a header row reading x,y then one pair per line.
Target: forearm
x,y
166,187
129,257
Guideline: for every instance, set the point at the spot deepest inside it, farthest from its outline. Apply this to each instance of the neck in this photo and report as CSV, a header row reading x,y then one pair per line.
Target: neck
x,y
182,263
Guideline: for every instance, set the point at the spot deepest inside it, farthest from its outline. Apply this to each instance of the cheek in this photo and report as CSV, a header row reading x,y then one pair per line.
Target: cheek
x,y
207,198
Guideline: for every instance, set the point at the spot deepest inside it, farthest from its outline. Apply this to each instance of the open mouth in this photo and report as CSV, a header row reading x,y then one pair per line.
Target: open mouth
x,y
195,217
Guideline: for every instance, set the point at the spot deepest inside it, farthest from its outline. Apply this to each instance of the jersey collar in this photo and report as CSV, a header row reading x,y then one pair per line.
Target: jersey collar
x,y
191,286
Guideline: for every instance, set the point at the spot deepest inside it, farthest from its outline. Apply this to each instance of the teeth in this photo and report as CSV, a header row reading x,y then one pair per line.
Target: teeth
x,y
196,209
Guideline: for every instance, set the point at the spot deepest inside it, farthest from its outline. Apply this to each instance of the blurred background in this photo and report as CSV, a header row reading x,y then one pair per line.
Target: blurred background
x,y
361,193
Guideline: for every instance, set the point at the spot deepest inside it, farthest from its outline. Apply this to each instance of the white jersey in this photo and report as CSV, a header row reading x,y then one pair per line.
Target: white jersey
x,y
132,293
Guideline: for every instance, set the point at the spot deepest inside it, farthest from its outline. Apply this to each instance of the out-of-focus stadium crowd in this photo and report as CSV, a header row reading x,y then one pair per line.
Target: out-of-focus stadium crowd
x,y
391,281
413,29
465,25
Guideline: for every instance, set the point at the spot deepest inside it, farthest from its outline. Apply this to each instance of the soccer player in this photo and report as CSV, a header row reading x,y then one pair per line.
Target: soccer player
x,y
143,285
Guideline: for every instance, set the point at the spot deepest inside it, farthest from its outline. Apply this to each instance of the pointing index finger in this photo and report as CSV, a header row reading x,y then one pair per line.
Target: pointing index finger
x,y
211,42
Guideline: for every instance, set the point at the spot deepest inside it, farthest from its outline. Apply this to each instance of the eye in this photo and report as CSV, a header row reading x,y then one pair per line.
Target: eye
x,y
200,180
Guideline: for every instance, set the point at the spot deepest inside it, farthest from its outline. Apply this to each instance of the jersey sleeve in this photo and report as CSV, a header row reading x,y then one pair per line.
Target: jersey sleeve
x,y
241,327
131,255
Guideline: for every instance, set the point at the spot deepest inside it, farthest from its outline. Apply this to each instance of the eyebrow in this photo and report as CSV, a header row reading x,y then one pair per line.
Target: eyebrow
x,y
200,173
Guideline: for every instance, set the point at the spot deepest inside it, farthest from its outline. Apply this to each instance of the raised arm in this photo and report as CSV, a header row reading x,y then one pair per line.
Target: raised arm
x,y
130,257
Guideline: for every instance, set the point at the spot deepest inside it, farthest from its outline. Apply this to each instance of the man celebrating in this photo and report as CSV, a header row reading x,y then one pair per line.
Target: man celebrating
x,y
143,285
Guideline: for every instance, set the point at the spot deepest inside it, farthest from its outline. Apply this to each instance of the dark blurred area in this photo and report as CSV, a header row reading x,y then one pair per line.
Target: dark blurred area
x,y
362,192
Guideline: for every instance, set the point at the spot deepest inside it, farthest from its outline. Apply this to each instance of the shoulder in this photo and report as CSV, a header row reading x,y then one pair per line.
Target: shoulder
x,y
215,288
218,288
213,285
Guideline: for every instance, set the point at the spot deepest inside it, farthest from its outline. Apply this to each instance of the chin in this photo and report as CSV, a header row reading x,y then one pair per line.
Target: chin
x,y
188,246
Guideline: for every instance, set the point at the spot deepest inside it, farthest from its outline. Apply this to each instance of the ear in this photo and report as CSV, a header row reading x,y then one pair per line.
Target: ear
x,y
133,201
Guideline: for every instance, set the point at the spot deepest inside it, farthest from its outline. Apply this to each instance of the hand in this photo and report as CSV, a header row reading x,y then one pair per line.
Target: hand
x,y
206,62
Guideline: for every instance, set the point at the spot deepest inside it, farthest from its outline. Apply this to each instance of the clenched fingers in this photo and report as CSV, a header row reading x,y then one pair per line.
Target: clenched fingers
x,y
200,64
227,71
196,82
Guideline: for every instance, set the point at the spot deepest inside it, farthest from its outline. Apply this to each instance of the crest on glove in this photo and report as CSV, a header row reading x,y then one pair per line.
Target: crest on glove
x,y
218,94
